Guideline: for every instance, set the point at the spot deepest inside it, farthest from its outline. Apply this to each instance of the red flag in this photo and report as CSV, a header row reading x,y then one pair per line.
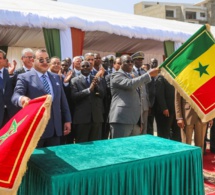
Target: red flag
x,y
18,139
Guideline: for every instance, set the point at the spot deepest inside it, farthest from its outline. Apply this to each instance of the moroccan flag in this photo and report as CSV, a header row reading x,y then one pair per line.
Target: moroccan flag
x,y
191,69
18,139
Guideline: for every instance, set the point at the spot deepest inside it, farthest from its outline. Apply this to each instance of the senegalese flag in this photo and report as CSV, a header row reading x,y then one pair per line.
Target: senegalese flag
x,y
191,69
18,139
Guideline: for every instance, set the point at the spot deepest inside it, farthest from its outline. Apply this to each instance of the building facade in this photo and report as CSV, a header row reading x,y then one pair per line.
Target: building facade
x,y
201,13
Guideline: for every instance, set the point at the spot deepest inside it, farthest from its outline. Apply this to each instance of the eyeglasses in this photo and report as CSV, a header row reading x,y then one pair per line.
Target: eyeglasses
x,y
129,61
29,57
42,60
85,66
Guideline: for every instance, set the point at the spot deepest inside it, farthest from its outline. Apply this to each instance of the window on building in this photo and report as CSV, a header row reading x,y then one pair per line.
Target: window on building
x,y
202,14
146,6
190,15
170,13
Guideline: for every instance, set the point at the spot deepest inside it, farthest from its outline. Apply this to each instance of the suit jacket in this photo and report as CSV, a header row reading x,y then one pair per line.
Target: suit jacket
x,y
12,83
88,106
151,90
125,104
165,95
143,91
30,85
94,72
74,74
5,95
16,73
184,111
19,70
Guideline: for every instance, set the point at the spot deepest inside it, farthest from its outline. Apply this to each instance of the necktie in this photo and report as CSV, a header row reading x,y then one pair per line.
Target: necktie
x,y
46,84
87,81
1,81
138,71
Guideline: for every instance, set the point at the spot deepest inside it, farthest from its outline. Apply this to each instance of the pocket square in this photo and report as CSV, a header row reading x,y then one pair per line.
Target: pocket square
x,y
57,83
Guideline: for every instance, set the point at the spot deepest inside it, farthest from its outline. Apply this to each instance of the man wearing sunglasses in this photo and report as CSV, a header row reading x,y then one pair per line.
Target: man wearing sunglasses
x,y
38,82
125,108
87,96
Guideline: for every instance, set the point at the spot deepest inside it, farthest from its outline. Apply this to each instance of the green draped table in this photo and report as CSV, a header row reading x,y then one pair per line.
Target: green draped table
x,y
139,165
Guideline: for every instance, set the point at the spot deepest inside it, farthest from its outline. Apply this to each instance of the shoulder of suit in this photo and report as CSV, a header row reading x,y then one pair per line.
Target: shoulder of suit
x,y
160,77
75,79
5,72
117,73
19,70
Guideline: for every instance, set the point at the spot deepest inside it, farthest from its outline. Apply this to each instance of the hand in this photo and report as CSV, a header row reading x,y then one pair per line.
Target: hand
x,y
166,113
68,77
12,67
24,101
60,73
93,84
132,75
154,72
180,123
67,128
100,73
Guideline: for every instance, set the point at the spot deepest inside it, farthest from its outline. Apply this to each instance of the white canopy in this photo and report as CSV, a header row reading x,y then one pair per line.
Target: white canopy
x,y
21,23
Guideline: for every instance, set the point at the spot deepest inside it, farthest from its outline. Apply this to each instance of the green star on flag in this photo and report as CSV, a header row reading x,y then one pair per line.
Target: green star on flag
x,y
184,68
202,69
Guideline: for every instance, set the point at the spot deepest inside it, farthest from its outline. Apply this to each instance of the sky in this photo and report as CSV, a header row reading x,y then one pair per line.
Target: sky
x,y
119,5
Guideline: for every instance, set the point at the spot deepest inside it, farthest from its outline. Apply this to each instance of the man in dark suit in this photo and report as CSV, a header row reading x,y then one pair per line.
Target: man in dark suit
x,y
88,94
151,94
39,82
125,107
5,94
164,110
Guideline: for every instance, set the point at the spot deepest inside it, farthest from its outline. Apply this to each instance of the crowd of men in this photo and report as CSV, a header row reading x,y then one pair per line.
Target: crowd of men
x,y
98,98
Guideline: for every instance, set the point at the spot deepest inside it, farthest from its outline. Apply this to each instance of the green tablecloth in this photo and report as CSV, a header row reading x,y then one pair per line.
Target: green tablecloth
x,y
139,165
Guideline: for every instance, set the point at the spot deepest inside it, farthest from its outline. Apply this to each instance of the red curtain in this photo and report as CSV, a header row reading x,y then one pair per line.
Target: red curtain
x,y
77,41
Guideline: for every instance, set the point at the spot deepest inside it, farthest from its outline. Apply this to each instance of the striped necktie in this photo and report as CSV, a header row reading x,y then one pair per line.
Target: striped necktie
x,y
46,84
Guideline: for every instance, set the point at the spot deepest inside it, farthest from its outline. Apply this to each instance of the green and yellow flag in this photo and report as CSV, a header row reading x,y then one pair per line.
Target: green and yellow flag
x,y
191,69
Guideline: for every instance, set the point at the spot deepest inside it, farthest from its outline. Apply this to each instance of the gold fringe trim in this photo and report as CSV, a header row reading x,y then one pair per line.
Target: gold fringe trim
x,y
32,145
202,116
208,27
